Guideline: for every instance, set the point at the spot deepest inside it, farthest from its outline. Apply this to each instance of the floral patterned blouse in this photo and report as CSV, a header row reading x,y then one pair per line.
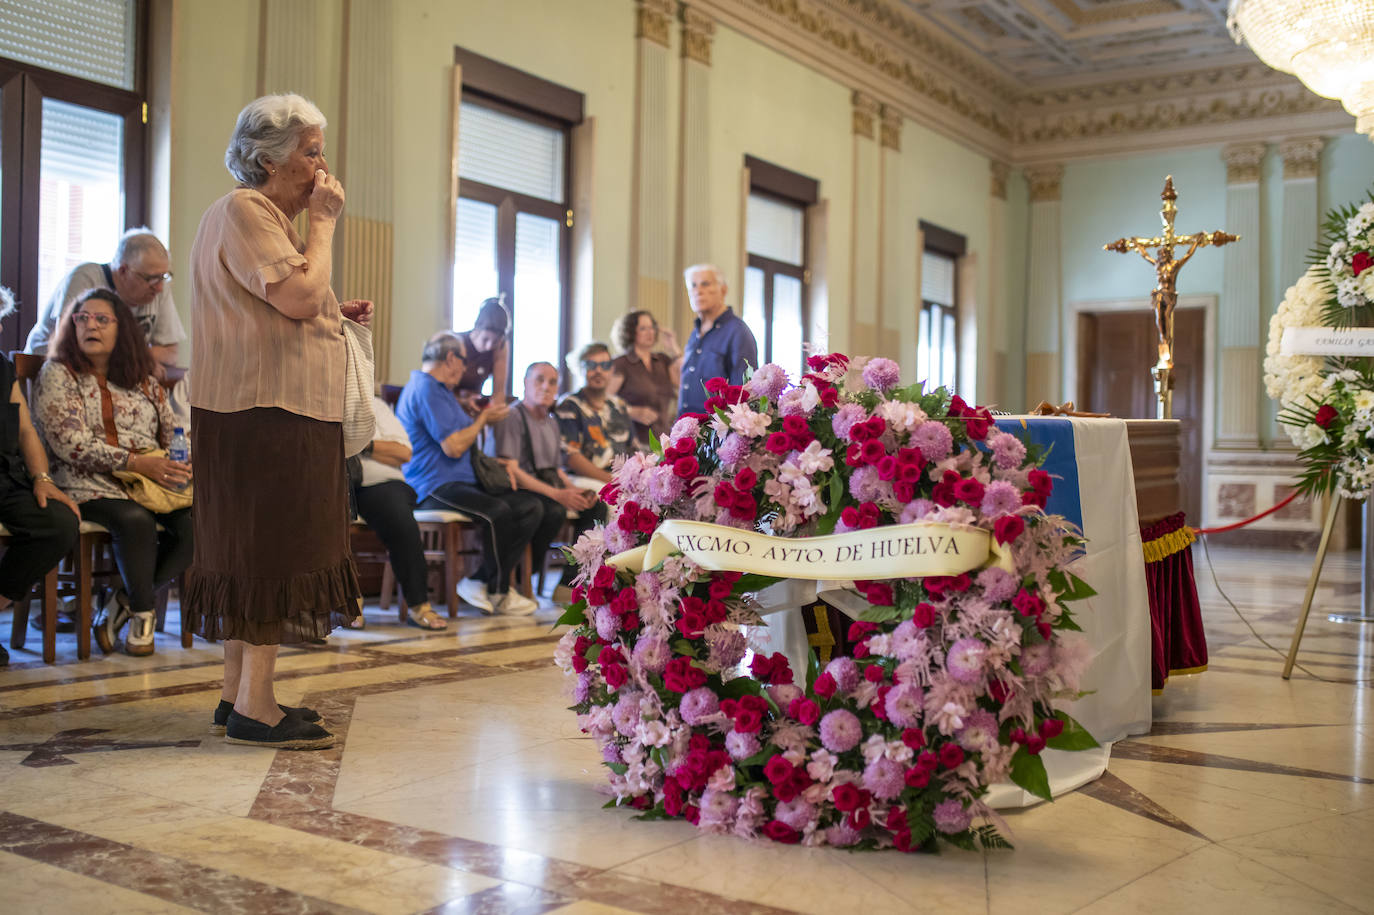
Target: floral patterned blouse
x,y
67,413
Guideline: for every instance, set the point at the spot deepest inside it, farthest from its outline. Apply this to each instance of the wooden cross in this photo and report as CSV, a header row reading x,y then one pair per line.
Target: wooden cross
x,y
1165,294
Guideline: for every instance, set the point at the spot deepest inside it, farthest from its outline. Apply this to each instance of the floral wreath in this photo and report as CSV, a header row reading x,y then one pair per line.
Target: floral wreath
x,y
953,680
1327,403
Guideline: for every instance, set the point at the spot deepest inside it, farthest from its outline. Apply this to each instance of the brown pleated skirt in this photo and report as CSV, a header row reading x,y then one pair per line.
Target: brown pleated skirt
x,y
272,563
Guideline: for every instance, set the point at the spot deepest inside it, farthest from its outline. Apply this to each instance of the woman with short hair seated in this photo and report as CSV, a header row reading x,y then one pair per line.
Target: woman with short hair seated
x,y
100,409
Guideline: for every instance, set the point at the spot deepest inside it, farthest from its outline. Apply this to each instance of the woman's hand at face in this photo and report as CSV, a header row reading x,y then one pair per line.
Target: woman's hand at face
x,y
358,311
327,199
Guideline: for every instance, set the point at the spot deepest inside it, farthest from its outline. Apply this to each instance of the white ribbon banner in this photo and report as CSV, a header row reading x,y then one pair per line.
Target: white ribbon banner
x,y
1327,341
897,551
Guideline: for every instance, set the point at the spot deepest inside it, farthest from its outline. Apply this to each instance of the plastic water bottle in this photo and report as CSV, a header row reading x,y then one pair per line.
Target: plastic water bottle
x,y
180,449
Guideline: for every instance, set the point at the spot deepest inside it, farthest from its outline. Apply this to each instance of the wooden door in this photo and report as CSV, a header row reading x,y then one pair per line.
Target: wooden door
x,y
1117,350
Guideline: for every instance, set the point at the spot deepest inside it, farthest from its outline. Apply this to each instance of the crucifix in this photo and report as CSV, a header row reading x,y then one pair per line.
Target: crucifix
x,y
1165,294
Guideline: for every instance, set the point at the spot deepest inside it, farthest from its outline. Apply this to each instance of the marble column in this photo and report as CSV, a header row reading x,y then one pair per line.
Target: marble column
x,y
895,313
651,262
864,292
1298,226
694,164
1044,293
995,342
1239,330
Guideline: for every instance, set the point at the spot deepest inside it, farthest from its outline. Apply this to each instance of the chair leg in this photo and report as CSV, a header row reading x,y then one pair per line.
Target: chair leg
x,y
85,559
453,534
187,624
19,624
49,605
160,608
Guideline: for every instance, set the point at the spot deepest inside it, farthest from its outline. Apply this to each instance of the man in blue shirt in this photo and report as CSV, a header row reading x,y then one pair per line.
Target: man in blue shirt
x,y
721,345
440,471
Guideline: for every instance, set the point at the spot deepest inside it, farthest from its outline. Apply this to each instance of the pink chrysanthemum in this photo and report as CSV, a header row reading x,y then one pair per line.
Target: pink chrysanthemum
x,y
997,584
698,704
934,440
979,732
733,450
882,374
768,382
951,817
845,672
844,419
741,746
965,660
903,705
652,653
796,813
841,731
884,777
1000,498
1007,450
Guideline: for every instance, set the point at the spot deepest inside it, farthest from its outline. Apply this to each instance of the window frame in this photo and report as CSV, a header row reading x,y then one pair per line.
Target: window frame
x,y
944,243
789,188
496,86
23,88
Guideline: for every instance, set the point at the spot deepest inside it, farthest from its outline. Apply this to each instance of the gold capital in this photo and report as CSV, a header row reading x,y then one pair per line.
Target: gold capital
x,y
1044,182
1243,162
890,133
653,19
1302,157
698,30
999,171
865,114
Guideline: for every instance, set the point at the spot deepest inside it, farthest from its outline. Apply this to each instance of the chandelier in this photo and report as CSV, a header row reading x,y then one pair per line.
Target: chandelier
x,y
1328,44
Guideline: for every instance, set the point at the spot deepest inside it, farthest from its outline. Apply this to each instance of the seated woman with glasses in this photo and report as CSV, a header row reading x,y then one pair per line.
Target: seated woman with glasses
x,y
595,424
100,409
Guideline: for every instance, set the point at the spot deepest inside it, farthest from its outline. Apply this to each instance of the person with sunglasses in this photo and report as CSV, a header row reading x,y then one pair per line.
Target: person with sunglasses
x,y
140,275
595,424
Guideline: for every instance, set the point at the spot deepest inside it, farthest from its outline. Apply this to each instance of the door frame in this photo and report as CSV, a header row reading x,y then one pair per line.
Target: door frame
x,y
1205,301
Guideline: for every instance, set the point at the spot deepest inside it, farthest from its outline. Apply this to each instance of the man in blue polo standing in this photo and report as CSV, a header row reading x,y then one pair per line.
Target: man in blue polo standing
x,y
721,345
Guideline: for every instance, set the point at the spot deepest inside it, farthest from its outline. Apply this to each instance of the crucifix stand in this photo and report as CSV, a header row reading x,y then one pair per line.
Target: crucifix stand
x,y
1165,295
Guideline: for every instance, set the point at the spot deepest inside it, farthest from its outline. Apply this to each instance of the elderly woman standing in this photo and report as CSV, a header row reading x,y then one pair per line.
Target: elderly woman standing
x,y
272,563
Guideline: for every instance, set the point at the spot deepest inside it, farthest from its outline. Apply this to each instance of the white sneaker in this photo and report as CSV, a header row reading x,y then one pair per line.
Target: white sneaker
x,y
474,592
139,641
513,603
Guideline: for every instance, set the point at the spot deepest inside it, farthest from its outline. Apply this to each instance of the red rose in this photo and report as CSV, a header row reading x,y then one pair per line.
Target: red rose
x,y
902,842
927,760
685,467
748,721
914,738
716,385
896,820
1051,728
615,675
777,769
1326,415
778,443
641,803
923,615
781,832
860,629
860,818
847,797
1361,262
804,710
1008,527
873,451
951,755
1040,481
604,577
1034,744
746,479
916,777
874,673
824,686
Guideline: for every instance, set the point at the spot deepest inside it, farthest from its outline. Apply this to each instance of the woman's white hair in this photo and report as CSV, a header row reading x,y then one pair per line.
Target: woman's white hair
x,y
268,130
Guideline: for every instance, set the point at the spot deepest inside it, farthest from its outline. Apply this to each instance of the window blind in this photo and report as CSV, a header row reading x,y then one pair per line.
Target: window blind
x,y
90,39
937,278
508,152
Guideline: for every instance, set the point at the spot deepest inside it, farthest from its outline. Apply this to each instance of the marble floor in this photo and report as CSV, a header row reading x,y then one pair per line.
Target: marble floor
x,y
461,785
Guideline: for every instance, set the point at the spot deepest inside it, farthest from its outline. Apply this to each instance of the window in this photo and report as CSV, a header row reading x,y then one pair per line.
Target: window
x,y
937,327
71,143
512,218
775,278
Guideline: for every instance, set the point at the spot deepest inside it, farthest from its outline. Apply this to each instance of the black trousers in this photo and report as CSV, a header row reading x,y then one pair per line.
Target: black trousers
x,y
39,537
550,523
507,522
387,508
147,558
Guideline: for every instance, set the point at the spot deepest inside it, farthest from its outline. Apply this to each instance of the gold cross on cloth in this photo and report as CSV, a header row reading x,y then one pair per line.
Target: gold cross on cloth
x,y
1165,294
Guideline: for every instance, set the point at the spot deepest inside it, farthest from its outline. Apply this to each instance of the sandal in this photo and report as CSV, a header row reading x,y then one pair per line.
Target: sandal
x,y
424,617
358,622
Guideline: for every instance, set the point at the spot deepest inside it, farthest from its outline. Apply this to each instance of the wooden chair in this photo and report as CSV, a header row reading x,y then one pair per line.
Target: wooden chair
x,y
19,624
445,537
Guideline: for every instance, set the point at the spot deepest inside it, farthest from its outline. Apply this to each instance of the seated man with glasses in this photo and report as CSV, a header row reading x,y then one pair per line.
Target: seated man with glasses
x,y
595,424
139,273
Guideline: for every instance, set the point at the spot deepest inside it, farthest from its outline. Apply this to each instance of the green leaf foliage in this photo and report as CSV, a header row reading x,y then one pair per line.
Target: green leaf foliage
x,y
1073,737
1028,771
575,615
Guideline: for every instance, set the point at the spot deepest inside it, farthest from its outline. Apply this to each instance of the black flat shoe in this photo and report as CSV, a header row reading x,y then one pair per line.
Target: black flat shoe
x,y
288,734
224,708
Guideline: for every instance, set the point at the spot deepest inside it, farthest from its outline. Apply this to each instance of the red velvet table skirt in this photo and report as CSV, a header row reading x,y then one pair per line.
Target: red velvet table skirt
x,y
1179,643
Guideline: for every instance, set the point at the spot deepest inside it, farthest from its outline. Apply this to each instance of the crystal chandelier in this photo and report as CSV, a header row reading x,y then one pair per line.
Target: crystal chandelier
x,y
1328,44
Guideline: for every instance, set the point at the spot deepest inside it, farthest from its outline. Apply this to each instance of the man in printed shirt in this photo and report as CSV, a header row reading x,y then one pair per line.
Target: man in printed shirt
x,y
595,424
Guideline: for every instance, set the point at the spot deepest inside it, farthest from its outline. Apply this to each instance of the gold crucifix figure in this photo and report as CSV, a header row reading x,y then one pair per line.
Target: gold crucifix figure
x,y
1165,294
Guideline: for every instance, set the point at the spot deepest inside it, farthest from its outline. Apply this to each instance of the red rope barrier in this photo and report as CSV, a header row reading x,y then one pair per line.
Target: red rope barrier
x,y
1200,531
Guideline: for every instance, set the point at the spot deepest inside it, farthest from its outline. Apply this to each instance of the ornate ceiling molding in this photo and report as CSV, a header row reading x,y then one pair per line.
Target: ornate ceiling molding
x,y
887,51
653,20
1045,182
